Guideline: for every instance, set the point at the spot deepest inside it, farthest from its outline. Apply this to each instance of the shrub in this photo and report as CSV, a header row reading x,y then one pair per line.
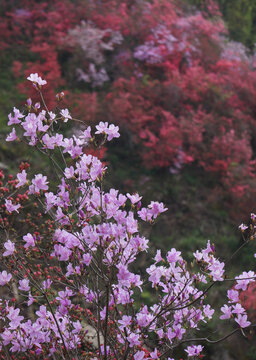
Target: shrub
x,y
70,274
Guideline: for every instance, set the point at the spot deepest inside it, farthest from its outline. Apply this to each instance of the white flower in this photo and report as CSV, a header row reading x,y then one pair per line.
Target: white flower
x,y
36,79
65,114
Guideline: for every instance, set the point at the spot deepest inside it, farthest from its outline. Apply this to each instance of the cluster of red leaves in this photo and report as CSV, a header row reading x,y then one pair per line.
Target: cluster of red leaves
x,y
248,301
191,106
38,29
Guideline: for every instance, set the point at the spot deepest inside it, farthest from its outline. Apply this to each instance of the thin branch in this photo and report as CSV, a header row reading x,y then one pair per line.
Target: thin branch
x,y
57,324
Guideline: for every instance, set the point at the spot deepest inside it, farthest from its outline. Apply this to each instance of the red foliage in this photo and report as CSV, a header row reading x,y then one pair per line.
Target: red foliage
x,y
187,104
38,28
248,301
182,100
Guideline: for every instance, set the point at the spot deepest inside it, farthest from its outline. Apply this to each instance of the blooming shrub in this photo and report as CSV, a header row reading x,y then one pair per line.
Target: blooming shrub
x,y
92,42
71,266
184,92
184,104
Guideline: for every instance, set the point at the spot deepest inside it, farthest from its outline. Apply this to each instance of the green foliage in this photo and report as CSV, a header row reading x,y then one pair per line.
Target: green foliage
x,y
241,19
240,16
195,212
9,95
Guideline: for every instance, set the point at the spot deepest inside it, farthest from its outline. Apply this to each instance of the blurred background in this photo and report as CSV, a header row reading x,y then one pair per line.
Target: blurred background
x,y
179,79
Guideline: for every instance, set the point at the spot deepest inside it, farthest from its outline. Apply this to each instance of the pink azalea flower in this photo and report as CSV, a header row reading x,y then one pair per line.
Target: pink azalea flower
x,y
102,128
14,318
50,200
123,274
173,255
65,114
61,252
30,125
39,183
208,311
77,327
198,255
238,309
103,313
49,141
233,296
86,135
145,214
227,312
69,172
24,285
243,280
125,321
133,339
16,118
143,318
156,208
10,207
217,270
30,299
243,227
30,241
112,132
70,270
158,256
22,177
179,331
4,277
154,354
10,248
46,284
134,198
51,115
171,334
58,138
87,259
12,136
242,321
140,355
194,350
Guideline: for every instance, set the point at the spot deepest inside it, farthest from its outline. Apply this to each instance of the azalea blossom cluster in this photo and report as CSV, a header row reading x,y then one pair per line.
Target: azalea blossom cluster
x,y
93,43
79,272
